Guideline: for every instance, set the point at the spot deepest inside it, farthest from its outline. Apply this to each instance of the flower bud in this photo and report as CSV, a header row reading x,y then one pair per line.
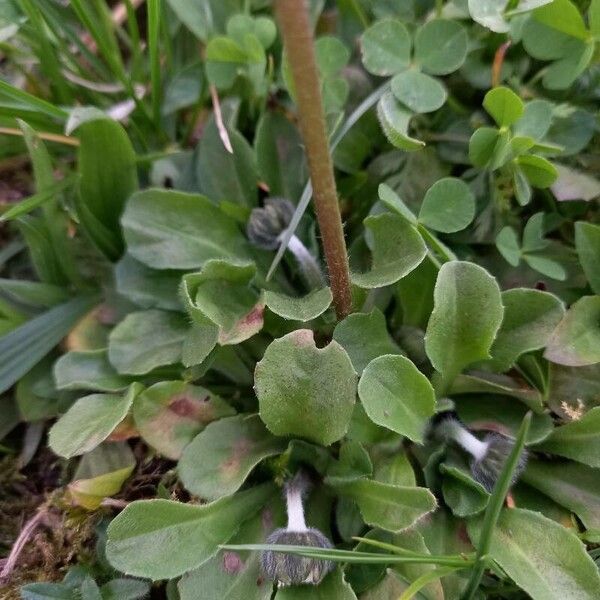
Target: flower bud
x,y
488,456
267,224
487,470
291,569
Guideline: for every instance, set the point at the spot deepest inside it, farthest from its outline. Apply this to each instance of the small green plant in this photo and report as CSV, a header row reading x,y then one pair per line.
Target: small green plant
x,y
259,247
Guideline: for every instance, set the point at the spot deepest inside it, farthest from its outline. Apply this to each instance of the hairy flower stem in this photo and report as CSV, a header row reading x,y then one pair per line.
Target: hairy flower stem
x,y
308,265
296,29
295,508
464,438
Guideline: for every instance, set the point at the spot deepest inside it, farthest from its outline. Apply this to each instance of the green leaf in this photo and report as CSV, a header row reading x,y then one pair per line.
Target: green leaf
x,y
546,266
332,55
148,288
172,230
226,58
302,309
199,343
46,591
36,395
448,206
333,586
488,148
230,449
223,175
397,249
145,340
353,463
563,16
88,370
389,507
530,317
563,73
107,177
415,295
543,558
576,340
396,395
204,18
279,155
169,414
536,119
578,440
541,173
587,242
183,90
594,18
464,496
221,295
522,187
504,106
89,422
466,316
533,233
475,409
419,92
490,14
100,474
395,120
33,293
235,575
484,382
162,539
385,47
305,391
391,199
365,337
573,485
240,25
26,345
125,589
441,46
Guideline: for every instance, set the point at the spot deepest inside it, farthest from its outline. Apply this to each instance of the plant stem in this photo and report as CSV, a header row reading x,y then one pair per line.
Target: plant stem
x,y
308,265
336,138
298,38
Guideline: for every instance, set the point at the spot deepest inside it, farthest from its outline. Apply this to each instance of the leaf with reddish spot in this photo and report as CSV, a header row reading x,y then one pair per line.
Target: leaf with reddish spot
x,y
222,295
169,414
230,449
236,575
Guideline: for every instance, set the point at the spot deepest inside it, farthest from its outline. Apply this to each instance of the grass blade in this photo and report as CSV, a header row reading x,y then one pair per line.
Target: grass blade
x,y
36,104
403,551
28,204
494,507
47,54
354,557
24,347
418,584
153,46
103,36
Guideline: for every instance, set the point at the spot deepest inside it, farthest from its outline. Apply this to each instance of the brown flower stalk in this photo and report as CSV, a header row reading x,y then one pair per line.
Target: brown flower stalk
x,y
296,29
